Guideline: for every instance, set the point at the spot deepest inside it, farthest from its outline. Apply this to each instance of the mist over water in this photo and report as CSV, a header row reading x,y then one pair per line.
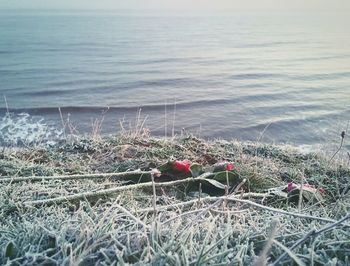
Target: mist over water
x,y
231,76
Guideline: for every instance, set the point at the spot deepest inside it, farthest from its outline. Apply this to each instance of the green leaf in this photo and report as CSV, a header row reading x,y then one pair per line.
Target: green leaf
x,y
219,167
232,177
165,167
137,178
10,251
196,169
309,195
312,194
214,183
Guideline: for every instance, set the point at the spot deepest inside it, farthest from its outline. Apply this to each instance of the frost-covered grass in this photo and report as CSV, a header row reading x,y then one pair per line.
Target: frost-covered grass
x,y
184,230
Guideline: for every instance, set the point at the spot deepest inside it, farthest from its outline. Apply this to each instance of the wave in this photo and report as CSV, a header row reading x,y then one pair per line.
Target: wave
x,y
302,77
125,109
286,123
23,129
321,76
248,76
266,44
107,86
152,107
312,129
319,58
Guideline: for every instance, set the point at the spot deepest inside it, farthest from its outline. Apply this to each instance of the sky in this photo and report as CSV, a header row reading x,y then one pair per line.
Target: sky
x,y
197,5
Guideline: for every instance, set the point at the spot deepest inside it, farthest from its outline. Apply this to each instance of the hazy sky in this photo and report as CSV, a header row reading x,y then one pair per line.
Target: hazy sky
x,y
180,4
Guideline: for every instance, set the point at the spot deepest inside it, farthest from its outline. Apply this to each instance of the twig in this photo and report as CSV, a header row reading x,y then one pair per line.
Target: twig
x,y
341,145
76,177
329,227
154,200
191,202
63,124
300,201
262,133
110,191
199,192
244,195
174,117
312,233
165,119
226,195
227,211
299,215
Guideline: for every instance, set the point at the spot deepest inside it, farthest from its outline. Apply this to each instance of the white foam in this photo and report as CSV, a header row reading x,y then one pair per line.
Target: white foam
x,y
24,129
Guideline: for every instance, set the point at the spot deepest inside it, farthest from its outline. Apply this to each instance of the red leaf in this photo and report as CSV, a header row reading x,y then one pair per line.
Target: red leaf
x,y
292,186
230,167
182,166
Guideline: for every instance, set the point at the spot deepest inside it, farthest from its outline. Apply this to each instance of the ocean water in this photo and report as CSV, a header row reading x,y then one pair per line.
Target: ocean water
x,y
282,78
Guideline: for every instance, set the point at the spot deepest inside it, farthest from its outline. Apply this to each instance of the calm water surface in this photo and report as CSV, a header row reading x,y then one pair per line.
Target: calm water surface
x,y
229,76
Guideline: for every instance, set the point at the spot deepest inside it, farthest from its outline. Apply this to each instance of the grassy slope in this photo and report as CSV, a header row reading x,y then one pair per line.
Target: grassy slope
x,y
102,232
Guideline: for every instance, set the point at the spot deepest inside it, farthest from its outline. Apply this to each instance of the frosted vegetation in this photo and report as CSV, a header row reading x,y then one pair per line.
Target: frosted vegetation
x,y
166,223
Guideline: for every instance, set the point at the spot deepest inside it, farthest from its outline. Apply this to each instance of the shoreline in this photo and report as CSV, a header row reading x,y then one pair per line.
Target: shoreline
x,y
107,121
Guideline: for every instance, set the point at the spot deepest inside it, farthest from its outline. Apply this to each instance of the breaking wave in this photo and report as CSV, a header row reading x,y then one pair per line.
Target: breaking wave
x,y
23,129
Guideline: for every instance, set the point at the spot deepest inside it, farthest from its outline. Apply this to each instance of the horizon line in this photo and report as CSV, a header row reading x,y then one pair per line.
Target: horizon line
x,y
168,9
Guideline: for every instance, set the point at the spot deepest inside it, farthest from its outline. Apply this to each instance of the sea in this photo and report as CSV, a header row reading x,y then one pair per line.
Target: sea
x,y
271,77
